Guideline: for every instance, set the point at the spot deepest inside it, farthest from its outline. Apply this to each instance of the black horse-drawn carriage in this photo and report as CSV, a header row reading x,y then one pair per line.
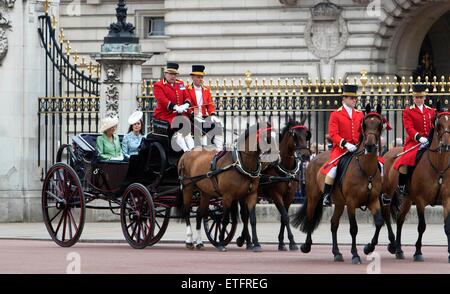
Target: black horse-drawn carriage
x,y
144,189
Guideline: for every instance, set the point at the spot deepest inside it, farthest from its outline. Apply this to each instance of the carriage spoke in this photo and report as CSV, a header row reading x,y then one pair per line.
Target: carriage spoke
x,y
157,224
55,215
142,231
138,235
60,221
132,223
134,230
134,201
70,226
53,196
211,228
64,226
73,219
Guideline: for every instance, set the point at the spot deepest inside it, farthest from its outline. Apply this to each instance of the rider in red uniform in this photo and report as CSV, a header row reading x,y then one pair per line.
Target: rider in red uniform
x,y
203,111
173,101
418,121
344,129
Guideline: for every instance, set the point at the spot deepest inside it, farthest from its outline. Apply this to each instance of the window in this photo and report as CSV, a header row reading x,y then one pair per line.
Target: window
x,y
156,26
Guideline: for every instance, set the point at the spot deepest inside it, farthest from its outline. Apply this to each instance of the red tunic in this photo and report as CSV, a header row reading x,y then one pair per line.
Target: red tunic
x,y
341,127
417,124
168,96
207,106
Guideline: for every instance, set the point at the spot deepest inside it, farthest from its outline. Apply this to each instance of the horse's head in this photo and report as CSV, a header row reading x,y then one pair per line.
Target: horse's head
x,y
296,135
372,127
442,128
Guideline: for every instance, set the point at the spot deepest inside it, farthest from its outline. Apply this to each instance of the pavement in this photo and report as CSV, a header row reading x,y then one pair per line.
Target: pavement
x,y
111,232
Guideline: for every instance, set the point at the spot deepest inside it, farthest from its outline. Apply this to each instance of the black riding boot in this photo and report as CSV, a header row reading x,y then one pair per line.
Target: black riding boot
x,y
401,188
327,195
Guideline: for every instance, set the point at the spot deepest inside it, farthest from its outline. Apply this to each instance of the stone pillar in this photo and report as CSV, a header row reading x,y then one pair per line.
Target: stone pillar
x,y
121,61
121,80
22,76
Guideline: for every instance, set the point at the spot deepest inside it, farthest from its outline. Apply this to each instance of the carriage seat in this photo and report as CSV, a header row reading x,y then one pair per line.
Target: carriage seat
x,y
87,142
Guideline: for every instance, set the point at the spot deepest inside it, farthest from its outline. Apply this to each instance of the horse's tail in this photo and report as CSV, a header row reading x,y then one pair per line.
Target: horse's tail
x,y
300,219
395,207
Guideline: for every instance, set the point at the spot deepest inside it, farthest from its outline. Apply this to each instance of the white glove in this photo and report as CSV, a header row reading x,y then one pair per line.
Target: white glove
x,y
178,109
350,147
215,119
184,107
423,140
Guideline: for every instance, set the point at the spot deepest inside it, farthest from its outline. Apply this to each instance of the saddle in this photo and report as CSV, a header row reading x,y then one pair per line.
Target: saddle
x,y
342,168
420,153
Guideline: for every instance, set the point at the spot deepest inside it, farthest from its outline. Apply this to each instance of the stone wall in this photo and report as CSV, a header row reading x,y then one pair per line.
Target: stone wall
x,y
22,81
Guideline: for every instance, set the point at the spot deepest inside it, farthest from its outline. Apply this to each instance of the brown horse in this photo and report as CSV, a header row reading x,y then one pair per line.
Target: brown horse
x,y
361,186
236,177
429,184
279,182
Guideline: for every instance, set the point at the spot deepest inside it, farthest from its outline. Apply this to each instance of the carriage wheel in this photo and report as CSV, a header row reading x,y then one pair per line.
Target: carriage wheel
x,y
213,225
63,205
162,218
137,215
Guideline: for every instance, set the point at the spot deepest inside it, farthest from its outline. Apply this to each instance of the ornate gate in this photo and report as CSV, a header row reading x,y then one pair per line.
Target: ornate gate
x,y
71,103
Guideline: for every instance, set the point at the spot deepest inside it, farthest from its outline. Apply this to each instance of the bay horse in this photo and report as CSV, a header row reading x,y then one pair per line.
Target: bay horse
x,y
279,182
236,178
429,185
361,186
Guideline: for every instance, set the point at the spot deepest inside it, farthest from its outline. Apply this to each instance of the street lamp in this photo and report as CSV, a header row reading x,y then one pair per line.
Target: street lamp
x,y
121,32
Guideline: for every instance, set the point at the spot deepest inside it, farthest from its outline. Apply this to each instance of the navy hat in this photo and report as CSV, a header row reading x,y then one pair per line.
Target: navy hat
x,y
419,90
198,70
171,68
350,91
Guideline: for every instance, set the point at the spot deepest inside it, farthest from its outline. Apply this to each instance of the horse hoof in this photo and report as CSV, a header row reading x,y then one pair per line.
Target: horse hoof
x,y
240,241
199,246
356,260
293,247
399,255
190,245
249,247
222,248
369,248
305,248
338,258
282,247
257,248
418,258
391,248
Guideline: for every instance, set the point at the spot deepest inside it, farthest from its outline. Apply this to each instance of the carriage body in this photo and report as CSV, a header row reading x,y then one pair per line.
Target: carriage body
x,y
144,189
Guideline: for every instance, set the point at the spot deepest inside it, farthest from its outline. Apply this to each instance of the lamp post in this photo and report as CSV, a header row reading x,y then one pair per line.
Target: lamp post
x,y
121,32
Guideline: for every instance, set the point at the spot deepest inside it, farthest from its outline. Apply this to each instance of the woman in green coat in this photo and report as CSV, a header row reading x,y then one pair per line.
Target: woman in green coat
x,y
108,143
